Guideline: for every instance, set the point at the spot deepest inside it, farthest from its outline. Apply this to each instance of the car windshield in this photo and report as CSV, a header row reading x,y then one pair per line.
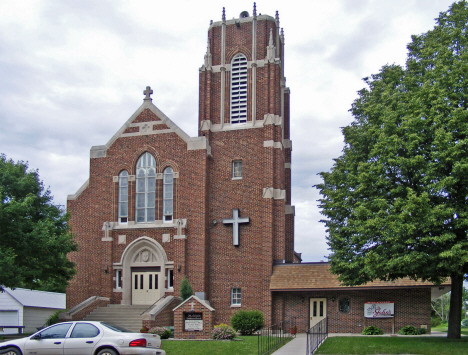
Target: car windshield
x,y
116,328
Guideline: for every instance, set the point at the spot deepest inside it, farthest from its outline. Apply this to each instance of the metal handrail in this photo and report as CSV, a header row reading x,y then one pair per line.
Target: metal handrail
x,y
272,337
146,310
316,336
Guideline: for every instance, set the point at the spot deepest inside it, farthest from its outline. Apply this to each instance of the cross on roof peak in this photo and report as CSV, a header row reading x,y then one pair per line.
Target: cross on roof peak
x,y
148,93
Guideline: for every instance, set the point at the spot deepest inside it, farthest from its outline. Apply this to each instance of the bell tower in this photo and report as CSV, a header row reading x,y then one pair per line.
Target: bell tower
x,y
244,115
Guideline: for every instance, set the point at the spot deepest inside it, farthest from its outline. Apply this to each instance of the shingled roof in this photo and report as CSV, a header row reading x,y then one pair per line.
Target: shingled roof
x,y
317,277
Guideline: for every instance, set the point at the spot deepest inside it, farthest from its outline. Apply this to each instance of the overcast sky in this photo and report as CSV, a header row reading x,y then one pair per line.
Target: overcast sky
x,y
72,72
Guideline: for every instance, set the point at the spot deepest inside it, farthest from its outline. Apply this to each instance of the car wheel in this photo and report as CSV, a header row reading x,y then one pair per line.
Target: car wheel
x,y
107,352
10,351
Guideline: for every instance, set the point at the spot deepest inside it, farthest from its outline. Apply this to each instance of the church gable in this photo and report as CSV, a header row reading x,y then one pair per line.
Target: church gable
x,y
150,120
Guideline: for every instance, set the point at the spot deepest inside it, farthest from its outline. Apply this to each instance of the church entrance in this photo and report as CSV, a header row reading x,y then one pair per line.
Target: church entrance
x,y
318,310
146,285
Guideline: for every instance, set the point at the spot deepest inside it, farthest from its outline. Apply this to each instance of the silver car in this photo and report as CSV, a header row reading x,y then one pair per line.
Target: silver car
x,y
84,338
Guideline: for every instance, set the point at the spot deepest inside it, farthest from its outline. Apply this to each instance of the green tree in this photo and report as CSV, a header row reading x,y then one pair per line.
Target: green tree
x,y
185,289
34,237
396,200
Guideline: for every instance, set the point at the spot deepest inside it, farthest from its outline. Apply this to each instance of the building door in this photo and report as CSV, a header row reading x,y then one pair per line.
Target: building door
x,y
146,287
318,310
8,317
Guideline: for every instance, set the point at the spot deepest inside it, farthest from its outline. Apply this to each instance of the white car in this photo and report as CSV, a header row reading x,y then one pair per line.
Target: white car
x,y
84,338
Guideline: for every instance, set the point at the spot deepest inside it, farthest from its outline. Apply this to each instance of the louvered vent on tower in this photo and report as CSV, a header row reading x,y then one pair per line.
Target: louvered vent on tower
x,y
239,89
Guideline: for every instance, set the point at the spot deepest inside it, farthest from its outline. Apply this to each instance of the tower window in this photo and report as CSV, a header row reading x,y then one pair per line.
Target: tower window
x,y
168,194
145,188
123,197
237,169
239,89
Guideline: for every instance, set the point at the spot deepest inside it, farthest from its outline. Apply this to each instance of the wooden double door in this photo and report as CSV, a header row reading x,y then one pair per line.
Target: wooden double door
x,y
147,285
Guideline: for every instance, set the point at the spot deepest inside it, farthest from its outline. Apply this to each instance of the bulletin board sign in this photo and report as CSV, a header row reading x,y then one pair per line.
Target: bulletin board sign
x,y
379,309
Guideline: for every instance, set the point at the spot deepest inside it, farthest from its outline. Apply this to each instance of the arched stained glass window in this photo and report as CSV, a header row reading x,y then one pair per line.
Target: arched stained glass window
x,y
168,194
145,188
239,89
123,196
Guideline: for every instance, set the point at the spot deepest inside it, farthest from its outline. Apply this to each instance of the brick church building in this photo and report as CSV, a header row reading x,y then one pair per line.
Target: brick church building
x,y
160,206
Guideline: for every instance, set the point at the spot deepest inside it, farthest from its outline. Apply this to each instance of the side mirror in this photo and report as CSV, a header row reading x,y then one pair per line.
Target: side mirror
x,y
37,336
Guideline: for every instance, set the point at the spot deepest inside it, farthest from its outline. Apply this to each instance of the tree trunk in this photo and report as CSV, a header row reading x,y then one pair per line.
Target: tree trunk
x,y
454,321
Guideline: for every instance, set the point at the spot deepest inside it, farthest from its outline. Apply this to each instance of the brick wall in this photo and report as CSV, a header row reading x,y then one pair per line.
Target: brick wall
x,y
179,322
412,307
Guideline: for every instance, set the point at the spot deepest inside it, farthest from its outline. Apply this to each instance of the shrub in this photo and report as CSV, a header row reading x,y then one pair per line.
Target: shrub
x,y
408,330
163,332
435,322
464,323
185,289
54,318
372,330
422,331
247,322
223,332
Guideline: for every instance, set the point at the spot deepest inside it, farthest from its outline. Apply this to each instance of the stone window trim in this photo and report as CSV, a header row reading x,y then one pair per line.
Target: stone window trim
x,y
237,169
236,297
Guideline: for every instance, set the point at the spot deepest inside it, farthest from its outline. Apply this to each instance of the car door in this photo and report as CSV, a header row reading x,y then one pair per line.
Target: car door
x,y
48,342
82,340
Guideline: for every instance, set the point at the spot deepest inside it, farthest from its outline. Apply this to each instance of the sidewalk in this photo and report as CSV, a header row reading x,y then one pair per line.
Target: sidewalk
x,y
296,346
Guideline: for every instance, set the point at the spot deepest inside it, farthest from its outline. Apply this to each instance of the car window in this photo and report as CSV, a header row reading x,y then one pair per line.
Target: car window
x,y
56,332
84,330
116,328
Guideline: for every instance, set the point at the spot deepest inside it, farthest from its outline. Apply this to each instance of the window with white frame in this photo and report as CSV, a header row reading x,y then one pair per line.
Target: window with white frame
x,y
123,197
170,278
237,169
145,188
239,89
236,296
168,194
118,279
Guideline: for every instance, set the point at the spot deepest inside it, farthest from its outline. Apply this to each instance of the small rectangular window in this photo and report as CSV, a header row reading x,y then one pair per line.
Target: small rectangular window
x,y
236,296
170,278
118,279
237,169
156,281
150,285
141,282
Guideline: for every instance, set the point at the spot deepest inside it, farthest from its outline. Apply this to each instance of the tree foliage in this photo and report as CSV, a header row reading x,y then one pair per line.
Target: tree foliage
x,y
34,237
185,289
396,200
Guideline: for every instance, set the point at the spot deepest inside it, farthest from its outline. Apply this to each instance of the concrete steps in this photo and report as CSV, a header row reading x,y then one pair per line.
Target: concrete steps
x,y
128,317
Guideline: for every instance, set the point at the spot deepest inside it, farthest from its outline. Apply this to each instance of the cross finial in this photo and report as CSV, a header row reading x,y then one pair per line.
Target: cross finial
x,y
192,304
224,15
148,93
255,10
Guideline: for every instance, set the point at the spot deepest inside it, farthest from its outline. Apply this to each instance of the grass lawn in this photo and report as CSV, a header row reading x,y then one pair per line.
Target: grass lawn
x,y
394,345
247,346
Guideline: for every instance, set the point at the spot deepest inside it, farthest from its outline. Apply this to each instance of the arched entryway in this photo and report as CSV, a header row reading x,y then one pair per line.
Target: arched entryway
x,y
143,266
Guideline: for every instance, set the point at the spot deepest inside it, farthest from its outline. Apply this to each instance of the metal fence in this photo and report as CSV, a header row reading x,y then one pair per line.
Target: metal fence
x,y
274,336
316,336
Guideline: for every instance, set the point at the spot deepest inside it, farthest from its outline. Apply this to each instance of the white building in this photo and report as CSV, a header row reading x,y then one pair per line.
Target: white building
x,y
28,308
